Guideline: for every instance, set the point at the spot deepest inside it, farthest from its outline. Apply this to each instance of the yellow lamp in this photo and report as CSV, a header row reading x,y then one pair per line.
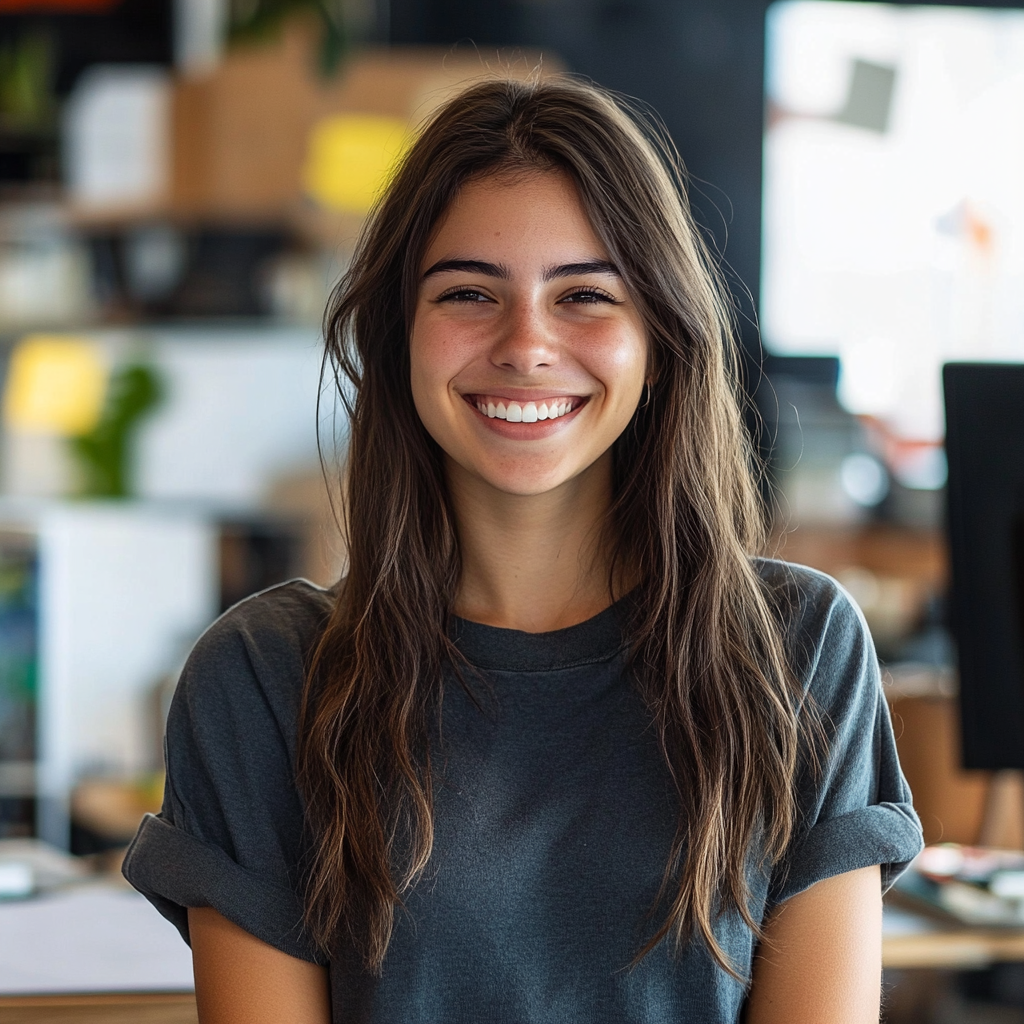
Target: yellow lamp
x,y
55,384
351,158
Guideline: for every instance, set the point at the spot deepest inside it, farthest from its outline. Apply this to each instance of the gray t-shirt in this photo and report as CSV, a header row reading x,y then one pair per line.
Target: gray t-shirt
x,y
554,817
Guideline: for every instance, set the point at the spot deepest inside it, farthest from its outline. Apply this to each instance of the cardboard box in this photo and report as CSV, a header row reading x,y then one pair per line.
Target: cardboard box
x,y
240,132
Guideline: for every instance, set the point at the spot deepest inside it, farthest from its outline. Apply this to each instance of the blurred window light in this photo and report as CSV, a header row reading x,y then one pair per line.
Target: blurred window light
x,y
55,385
864,479
894,152
868,376
921,468
350,159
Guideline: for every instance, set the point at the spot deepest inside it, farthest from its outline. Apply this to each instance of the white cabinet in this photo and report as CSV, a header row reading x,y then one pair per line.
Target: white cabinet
x,y
121,590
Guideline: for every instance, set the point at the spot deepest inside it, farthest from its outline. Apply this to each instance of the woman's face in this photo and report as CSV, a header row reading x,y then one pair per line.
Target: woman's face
x,y
528,356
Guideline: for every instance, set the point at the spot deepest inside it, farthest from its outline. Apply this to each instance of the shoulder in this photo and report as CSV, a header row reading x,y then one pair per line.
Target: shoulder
x,y
289,613
855,807
826,635
256,652
807,598
281,621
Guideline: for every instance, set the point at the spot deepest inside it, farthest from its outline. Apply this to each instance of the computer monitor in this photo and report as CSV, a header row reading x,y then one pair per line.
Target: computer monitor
x,y
985,452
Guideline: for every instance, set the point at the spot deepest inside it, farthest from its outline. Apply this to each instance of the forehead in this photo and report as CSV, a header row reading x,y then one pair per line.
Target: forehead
x,y
522,213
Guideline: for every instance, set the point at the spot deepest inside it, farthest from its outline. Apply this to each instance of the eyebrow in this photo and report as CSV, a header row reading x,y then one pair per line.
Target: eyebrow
x,y
576,269
469,267
499,270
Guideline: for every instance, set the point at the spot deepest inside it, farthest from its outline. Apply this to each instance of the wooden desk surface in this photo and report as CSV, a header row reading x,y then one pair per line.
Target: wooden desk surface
x,y
150,1008
963,949
916,935
959,949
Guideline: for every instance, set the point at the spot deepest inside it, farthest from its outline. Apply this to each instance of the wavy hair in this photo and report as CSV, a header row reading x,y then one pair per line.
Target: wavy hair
x,y
704,636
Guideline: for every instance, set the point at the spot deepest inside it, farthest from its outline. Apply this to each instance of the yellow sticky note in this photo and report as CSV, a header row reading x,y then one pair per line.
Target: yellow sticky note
x,y
351,157
55,385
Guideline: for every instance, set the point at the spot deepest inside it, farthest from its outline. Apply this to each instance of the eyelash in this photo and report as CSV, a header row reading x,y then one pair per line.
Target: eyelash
x,y
461,294
591,293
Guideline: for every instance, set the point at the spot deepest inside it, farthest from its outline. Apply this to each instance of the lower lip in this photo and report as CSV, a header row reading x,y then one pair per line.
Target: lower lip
x,y
527,431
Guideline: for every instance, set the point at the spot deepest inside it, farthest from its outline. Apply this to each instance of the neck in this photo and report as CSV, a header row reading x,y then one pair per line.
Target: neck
x,y
533,562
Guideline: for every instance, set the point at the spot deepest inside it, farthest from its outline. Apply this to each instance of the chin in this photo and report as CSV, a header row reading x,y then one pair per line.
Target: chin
x,y
526,484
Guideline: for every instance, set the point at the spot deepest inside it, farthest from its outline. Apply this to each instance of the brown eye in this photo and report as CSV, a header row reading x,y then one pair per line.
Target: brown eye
x,y
588,296
463,295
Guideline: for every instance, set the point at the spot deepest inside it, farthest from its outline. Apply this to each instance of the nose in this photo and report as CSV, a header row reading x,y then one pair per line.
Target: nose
x,y
527,341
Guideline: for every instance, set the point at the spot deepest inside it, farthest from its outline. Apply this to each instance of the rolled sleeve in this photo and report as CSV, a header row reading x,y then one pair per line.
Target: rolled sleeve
x,y
230,832
855,807
176,871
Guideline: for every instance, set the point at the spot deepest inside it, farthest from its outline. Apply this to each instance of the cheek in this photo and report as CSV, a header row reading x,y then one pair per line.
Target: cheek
x,y
620,362
438,351
422,371
435,359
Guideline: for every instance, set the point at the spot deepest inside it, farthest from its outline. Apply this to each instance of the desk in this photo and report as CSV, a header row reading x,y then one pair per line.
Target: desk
x,y
151,1008
910,940
963,949
102,954
92,953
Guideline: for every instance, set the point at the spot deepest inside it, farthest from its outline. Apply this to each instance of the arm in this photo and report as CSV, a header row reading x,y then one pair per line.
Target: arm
x,y
241,980
820,960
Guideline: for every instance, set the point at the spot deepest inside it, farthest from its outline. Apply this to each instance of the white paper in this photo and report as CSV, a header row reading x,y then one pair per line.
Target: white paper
x,y
117,135
90,939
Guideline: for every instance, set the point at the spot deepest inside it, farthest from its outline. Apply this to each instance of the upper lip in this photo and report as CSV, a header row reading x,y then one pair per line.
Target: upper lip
x,y
521,395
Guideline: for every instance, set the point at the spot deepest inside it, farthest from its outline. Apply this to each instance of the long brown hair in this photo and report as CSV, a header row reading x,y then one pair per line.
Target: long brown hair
x,y
704,638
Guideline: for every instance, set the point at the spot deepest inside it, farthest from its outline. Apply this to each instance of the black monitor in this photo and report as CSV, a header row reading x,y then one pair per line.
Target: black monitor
x,y
985,449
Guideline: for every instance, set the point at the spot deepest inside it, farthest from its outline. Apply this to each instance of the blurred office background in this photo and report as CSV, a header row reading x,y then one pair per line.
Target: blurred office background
x,y
181,183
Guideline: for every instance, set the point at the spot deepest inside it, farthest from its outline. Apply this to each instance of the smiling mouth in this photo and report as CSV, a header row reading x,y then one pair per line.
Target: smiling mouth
x,y
496,408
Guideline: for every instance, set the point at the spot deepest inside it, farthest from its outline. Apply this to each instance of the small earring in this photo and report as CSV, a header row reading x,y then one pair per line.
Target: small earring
x,y
648,391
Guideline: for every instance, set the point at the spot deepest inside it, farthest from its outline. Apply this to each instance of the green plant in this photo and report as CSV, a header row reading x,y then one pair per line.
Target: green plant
x,y
104,453
262,19
26,86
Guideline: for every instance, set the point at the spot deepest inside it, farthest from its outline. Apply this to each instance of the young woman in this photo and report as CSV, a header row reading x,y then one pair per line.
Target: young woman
x,y
559,747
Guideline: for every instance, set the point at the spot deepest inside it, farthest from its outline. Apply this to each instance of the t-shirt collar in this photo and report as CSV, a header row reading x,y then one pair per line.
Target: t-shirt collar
x,y
512,650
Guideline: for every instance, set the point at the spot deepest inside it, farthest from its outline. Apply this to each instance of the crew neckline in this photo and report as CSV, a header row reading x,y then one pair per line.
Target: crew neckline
x,y
514,650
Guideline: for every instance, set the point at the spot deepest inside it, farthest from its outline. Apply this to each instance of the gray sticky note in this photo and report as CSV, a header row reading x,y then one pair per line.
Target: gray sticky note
x,y
869,101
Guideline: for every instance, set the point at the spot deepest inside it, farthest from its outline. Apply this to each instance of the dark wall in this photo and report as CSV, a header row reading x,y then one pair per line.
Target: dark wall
x,y
41,56
134,31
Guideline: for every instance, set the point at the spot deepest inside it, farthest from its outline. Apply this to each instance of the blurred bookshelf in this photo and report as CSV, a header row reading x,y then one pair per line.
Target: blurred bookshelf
x,y
19,674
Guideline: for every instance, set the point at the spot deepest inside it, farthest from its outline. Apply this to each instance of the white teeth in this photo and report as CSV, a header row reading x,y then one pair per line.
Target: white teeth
x,y
530,412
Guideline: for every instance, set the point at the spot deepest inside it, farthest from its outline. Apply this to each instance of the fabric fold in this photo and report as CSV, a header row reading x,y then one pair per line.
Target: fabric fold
x,y
175,871
887,834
